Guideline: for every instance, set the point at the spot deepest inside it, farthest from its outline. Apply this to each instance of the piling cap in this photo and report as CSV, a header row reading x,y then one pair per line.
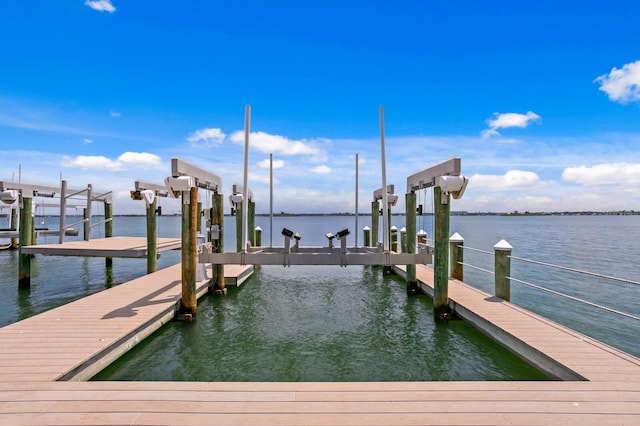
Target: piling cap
x,y
258,228
366,228
422,232
456,238
502,245
394,228
403,229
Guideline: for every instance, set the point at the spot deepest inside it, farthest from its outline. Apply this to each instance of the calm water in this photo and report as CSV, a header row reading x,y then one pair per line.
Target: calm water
x,y
331,323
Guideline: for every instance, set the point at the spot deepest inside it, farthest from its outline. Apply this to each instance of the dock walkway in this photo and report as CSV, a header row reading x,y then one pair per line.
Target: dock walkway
x,y
135,247
70,342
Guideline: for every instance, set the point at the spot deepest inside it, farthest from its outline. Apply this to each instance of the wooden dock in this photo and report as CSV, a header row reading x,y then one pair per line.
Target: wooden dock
x,y
75,340
135,247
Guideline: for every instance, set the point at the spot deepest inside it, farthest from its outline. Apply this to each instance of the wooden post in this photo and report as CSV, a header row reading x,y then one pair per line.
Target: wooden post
x,y
152,236
456,244
86,229
26,239
367,236
375,223
199,221
258,232
389,227
410,202
403,240
108,229
422,236
251,223
239,227
14,226
189,252
503,270
217,218
441,254
393,231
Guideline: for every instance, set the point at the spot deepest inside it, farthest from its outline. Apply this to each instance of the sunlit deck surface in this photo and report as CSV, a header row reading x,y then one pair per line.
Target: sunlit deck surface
x,y
104,247
76,340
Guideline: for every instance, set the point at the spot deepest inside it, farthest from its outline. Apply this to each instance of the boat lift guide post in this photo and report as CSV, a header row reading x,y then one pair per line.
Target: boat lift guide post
x,y
446,181
185,180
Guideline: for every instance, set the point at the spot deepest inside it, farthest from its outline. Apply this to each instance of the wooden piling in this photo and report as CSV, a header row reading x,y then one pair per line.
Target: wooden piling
x,y
199,221
403,240
26,239
108,229
217,218
189,304
239,227
441,255
86,228
251,223
456,253
152,237
367,236
503,270
411,223
14,226
258,233
393,232
375,222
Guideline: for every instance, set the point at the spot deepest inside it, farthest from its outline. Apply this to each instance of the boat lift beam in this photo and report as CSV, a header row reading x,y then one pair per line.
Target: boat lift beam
x,y
203,179
427,177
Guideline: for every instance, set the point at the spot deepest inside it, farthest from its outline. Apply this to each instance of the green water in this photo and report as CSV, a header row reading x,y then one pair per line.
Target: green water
x,y
318,324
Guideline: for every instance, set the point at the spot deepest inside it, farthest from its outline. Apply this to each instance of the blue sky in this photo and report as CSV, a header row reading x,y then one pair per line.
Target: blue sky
x,y
541,100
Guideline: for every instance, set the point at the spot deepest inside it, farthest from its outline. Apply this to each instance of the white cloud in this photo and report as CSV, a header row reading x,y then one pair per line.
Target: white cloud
x,y
321,170
513,179
142,160
208,137
87,141
604,174
115,114
267,143
622,85
101,5
265,164
506,120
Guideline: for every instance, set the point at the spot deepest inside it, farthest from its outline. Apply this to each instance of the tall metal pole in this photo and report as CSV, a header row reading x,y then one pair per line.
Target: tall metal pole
x,y
245,197
63,210
271,200
357,230
385,201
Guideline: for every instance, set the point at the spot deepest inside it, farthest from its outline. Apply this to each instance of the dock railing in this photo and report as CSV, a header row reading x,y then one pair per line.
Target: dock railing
x,y
503,277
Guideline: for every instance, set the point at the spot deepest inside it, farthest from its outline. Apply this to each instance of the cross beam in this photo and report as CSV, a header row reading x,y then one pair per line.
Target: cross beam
x,y
203,178
427,177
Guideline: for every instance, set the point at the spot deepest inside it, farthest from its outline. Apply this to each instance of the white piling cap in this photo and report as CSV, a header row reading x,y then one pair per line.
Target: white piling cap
x,y
422,232
366,228
403,229
456,238
258,228
502,245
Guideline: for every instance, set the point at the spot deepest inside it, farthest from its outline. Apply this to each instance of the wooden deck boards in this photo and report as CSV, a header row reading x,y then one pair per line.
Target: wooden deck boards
x,y
135,247
37,351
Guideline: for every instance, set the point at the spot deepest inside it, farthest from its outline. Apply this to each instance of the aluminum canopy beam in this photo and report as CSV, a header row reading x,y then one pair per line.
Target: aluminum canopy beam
x,y
31,190
427,177
203,178
159,190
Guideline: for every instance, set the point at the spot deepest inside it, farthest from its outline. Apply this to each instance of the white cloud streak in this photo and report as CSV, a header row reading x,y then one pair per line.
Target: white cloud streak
x,y
321,170
207,137
622,85
513,179
267,143
604,174
139,160
506,120
101,5
265,164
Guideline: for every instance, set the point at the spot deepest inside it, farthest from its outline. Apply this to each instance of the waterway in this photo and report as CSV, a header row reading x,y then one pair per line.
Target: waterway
x,y
355,323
